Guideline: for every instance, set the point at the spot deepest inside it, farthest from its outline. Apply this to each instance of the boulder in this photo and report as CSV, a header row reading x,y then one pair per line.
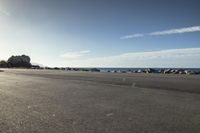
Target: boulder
x,y
167,71
95,70
140,71
35,67
161,71
181,71
150,70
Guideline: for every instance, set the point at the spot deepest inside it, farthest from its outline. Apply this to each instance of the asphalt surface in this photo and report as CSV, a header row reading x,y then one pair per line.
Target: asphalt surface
x,y
38,101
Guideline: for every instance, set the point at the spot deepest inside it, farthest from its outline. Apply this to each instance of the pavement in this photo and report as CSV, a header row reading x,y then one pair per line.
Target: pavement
x,y
47,101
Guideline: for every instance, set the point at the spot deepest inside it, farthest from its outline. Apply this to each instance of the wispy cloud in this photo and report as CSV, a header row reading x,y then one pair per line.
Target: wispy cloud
x,y
187,57
169,53
132,36
85,52
75,55
4,12
165,32
176,31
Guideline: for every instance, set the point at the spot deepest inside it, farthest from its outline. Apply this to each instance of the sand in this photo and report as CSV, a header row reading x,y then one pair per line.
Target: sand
x,y
86,102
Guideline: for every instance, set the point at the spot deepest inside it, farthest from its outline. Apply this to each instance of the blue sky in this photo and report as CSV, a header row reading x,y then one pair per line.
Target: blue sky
x,y
102,33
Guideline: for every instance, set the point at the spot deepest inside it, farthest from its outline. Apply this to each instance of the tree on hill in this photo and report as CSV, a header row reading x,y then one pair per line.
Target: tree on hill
x,y
19,61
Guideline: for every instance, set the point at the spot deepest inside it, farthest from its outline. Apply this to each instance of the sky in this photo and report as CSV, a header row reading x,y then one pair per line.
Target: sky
x,y
102,33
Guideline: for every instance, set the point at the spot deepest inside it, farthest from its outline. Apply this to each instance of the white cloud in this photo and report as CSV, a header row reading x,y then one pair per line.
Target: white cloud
x,y
85,52
4,12
75,55
132,36
165,32
188,57
176,31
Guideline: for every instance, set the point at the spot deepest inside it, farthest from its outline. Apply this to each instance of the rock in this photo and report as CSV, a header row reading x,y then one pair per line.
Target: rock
x,y
150,70
48,68
129,71
114,71
176,72
197,72
187,72
161,71
123,71
140,71
95,70
181,71
135,71
35,67
172,71
167,71
190,72
56,68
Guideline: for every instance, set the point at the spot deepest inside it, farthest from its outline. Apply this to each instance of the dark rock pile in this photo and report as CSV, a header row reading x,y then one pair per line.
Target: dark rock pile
x,y
167,71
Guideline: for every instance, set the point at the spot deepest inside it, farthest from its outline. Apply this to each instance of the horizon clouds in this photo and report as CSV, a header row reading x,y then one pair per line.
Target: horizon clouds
x,y
75,55
160,58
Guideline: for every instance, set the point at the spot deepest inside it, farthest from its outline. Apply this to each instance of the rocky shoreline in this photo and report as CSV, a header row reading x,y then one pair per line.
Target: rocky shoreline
x,y
23,62
144,70
167,71
161,71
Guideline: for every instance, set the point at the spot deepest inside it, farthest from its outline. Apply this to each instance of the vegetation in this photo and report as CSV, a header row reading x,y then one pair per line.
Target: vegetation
x,y
16,61
3,64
